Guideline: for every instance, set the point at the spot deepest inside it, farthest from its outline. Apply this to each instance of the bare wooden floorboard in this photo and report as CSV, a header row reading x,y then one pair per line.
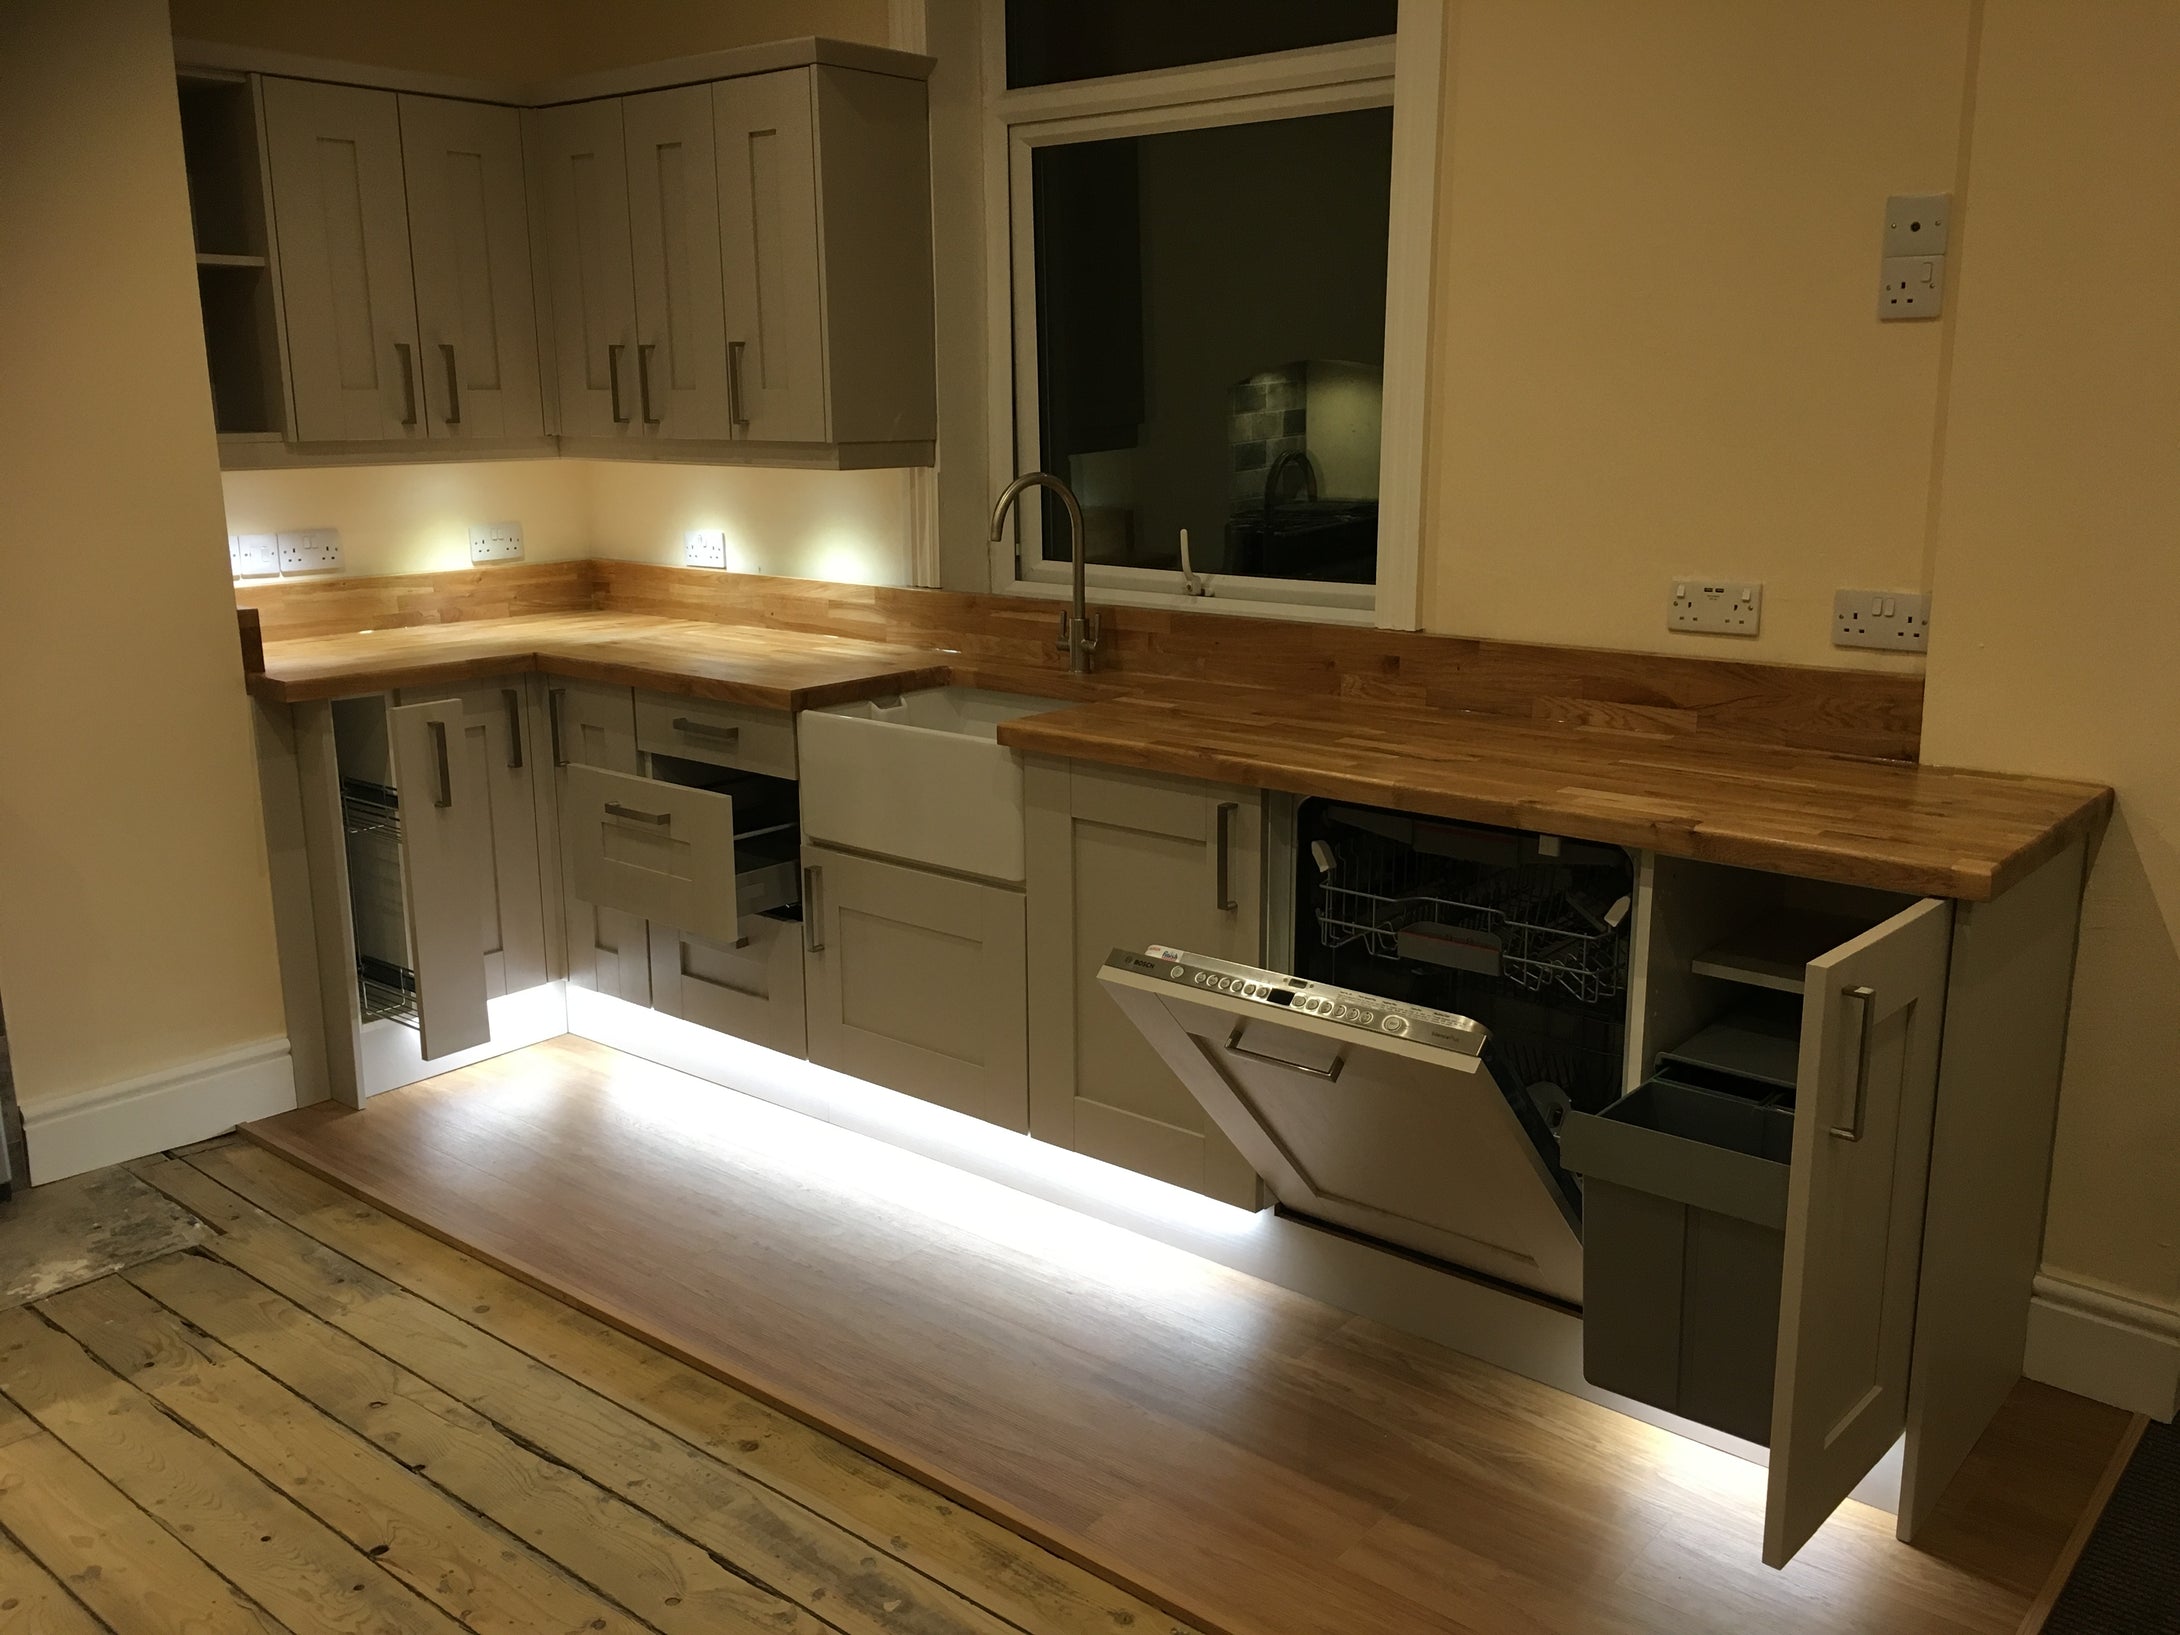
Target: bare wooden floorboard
x,y
1261,1463
284,1559
811,1561
977,1557
472,1571
32,1601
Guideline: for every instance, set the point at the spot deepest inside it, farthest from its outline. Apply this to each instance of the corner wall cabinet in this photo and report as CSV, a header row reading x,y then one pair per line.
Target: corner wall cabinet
x,y
733,269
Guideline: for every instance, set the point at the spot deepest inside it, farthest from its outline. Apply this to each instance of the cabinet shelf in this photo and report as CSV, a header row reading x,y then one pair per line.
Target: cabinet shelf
x,y
208,258
1775,950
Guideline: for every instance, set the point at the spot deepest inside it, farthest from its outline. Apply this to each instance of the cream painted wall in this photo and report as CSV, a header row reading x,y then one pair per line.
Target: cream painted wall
x,y
135,916
520,40
1655,347
2056,641
416,518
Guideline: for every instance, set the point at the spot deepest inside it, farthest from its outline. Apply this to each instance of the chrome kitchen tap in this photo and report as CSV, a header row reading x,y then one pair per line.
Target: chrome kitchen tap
x,y
1078,629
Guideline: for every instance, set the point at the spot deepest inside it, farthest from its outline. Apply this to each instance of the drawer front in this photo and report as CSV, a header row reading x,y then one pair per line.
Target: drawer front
x,y
736,735
751,989
660,851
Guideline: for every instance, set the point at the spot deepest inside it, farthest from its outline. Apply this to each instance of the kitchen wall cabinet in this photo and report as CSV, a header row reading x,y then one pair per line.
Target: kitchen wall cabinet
x,y
469,246
915,981
580,161
340,217
673,233
1121,859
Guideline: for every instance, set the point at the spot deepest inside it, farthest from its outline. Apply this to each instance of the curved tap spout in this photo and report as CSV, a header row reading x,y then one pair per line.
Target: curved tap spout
x,y
1078,630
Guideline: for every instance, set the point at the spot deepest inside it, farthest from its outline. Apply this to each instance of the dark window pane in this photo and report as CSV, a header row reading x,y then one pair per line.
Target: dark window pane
x,y
1211,340
1053,40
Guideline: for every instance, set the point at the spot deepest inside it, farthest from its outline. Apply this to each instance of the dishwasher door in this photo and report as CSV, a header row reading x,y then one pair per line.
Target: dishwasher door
x,y
1383,1118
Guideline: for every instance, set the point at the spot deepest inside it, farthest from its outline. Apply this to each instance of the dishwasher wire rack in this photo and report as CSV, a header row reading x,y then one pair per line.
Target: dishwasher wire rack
x,y
1526,920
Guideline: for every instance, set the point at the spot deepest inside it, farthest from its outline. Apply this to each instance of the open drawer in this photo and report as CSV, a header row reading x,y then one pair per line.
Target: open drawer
x,y
669,853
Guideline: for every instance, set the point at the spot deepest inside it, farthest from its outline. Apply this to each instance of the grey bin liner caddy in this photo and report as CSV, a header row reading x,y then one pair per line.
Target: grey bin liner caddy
x,y
1683,1233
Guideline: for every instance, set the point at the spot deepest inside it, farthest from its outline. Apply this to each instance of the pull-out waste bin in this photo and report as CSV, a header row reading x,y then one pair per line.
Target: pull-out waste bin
x,y
1683,1232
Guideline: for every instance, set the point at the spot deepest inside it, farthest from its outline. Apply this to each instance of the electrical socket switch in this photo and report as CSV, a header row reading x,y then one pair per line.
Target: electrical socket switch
x,y
495,542
1912,286
1895,620
253,556
1729,607
311,550
704,548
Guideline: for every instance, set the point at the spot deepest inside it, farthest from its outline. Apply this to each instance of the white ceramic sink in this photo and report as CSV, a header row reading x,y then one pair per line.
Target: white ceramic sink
x,y
919,777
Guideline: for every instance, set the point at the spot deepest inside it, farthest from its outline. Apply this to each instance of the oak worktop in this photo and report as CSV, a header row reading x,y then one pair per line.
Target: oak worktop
x,y
1891,824
740,664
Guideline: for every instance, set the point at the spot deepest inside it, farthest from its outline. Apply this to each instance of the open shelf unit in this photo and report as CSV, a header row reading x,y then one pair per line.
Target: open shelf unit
x,y
236,287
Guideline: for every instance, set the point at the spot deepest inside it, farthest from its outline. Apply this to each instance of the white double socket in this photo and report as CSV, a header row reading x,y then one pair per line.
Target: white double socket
x,y
1897,621
310,550
704,548
495,542
1723,607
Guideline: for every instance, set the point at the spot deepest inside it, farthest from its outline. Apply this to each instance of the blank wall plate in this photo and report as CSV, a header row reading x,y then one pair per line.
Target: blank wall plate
x,y
704,548
253,556
495,542
1895,620
1916,223
311,550
1726,607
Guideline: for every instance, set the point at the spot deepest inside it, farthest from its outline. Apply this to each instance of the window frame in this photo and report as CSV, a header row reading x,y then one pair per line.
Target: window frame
x,y
1401,71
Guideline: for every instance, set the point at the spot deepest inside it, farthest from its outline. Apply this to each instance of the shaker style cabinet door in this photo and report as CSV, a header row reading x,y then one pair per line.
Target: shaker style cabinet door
x,y
341,223
445,849
1872,1013
469,240
1123,860
580,160
592,724
769,248
680,373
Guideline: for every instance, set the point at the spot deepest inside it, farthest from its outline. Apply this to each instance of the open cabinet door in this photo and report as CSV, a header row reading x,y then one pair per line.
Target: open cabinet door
x,y
1872,1012
445,847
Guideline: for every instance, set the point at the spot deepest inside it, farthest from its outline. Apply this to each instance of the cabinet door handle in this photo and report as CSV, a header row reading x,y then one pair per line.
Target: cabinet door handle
x,y
1330,1074
445,797
512,698
552,723
407,355
813,912
1852,1129
454,384
615,809
735,416
613,383
1226,902
705,729
643,383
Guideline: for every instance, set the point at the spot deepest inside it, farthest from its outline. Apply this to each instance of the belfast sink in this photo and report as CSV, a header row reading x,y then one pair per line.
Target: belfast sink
x,y
920,776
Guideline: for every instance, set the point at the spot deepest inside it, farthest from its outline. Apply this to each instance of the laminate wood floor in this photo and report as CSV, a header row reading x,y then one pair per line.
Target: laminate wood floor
x,y
266,1434
1252,1461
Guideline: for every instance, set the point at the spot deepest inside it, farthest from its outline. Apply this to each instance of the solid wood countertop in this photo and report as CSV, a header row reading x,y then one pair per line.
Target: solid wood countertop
x,y
739,664
1932,831
1928,830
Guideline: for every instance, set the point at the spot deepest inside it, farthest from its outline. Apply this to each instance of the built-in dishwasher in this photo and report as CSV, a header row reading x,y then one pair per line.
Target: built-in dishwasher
x,y
1452,991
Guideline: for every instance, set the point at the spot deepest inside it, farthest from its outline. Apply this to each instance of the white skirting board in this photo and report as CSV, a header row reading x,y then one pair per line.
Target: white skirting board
x,y
1524,1336
170,1108
2098,1342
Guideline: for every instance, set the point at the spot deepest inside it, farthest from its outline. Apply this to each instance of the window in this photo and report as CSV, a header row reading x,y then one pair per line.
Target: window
x,y
1197,239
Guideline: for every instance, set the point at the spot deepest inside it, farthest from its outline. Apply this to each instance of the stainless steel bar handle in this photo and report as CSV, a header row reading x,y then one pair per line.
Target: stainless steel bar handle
x,y
615,809
1852,1129
512,698
643,383
403,351
613,383
1225,844
1328,1074
705,729
454,384
552,722
813,912
735,417
445,797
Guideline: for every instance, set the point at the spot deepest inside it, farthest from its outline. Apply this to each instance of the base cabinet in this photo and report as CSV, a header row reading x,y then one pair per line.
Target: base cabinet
x,y
916,982
1121,859
752,988
592,724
